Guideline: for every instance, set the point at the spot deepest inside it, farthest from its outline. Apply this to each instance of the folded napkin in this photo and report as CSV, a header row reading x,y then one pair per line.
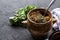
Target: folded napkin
x,y
56,14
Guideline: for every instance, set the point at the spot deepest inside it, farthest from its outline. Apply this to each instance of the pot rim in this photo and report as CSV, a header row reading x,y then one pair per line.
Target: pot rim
x,y
35,22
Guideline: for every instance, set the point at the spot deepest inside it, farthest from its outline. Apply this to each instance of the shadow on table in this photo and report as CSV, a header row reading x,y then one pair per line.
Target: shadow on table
x,y
40,38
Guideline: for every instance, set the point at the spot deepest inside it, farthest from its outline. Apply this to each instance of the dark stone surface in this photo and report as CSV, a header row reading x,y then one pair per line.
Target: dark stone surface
x,y
7,9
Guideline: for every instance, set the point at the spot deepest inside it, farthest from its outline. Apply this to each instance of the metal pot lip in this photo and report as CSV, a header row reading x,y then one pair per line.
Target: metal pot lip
x,y
35,22
53,34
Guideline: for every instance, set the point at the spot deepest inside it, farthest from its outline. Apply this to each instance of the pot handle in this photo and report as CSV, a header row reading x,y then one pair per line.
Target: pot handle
x,y
54,20
24,22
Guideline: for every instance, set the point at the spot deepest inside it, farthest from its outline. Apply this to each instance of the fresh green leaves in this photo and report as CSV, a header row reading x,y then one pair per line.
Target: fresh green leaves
x,y
20,15
29,7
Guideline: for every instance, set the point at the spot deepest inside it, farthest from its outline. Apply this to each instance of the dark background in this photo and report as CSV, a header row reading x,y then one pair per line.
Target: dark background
x,y
7,9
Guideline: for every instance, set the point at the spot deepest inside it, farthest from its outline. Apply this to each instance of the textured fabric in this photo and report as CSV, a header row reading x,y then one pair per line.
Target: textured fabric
x,y
56,13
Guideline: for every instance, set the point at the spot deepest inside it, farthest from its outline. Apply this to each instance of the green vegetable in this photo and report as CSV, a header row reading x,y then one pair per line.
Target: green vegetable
x,y
20,15
29,7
